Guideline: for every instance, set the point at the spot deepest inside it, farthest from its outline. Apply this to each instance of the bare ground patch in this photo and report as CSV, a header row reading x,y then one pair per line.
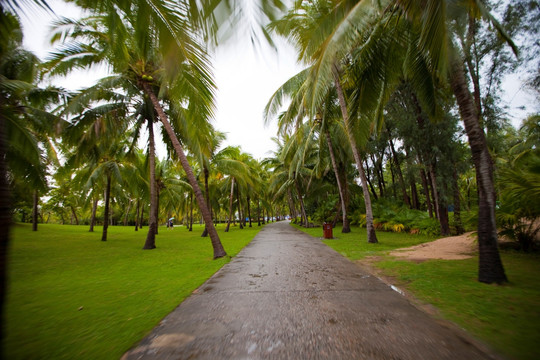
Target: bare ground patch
x,y
448,248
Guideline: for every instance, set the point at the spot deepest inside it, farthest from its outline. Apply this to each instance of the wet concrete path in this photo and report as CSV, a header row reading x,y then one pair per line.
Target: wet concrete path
x,y
289,296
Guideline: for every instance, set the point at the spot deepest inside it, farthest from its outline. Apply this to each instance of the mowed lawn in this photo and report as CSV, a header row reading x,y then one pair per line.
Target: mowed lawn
x,y
506,317
72,296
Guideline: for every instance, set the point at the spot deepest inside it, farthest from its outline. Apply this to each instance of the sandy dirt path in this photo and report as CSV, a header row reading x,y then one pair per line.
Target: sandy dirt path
x,y
449,248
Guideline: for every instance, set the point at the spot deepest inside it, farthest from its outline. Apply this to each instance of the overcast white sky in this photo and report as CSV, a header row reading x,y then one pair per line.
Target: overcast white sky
x,y
246,78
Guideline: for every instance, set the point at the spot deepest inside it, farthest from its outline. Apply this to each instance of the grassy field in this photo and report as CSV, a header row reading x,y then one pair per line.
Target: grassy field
x,y
506,317
72,296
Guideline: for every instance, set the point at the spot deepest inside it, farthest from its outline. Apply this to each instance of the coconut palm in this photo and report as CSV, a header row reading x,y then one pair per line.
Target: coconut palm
x,y
324,120
136,60
342,34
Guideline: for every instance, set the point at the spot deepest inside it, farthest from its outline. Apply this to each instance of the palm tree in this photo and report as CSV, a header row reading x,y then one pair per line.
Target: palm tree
x,y
430,48
325,119
299,26
17,71
189,83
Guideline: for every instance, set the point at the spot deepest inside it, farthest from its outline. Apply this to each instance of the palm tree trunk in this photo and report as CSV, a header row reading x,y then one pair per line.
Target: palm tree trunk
x,y
371,236
93,216
240,215
457,204
206,196
301,199
249,210
425,185
191,211
406,198
259,212
219,251
346,227
137,213
74,214
35,211
5,222
293,206
150,242
435,193
106,211
370,183
230,205
142,217
156,210
127,212
490,268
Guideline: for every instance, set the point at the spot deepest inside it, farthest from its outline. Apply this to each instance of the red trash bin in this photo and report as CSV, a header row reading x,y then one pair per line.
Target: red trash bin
x,y
327,231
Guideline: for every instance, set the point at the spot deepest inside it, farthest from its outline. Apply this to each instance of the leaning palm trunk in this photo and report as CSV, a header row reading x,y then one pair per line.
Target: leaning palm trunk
x,y
150,242
230,205
490,268
302,208
219,251
106,211
93,217
191,211
346,227
372,237
249,210
35,211
207,197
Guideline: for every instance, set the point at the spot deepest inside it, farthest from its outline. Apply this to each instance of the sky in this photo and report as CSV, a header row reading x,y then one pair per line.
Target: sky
x,y
246,78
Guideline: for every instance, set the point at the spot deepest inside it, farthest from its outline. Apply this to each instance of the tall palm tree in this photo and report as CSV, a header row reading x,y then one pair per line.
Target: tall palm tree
x,y
430,48
16,79
190,82
325,119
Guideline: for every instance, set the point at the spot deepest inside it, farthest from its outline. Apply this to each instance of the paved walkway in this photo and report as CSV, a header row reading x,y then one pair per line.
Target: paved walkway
x,y
289,296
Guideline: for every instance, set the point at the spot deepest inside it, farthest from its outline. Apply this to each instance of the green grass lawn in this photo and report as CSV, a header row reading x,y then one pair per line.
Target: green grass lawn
x,y
72,296
506,317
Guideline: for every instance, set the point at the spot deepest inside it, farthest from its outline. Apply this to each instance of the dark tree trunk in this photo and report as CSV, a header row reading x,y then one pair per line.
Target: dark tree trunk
x,y
150,242
241,219
415,202
207,197
491,269
457,203
370,183
106,211
137,213
259,212
191,211
291,201
393,180
443,213
142,217
93,216
219,251
301,200
425,185
5,224
74,214
157,207
371,236
35,211
230,206
249,210
434,192
346,227
406,198
127,212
